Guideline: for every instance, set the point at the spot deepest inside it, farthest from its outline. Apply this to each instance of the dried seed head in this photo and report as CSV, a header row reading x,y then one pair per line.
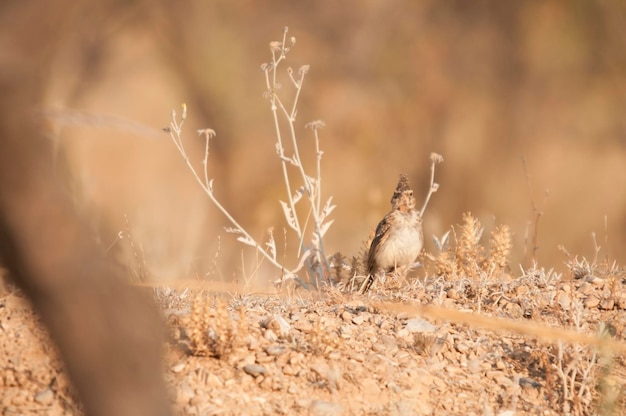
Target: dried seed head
x,y
275,46
436,158
501,245
304,69
316,124
208,133
469,251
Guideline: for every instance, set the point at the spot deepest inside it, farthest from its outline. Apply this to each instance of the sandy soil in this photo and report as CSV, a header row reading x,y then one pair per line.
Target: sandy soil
x,y
336,353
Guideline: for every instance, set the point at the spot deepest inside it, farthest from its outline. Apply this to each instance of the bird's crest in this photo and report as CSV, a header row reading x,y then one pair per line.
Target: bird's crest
x,y
403,185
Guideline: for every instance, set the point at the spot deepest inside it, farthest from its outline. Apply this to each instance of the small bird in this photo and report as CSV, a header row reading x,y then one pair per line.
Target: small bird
x,y
399,237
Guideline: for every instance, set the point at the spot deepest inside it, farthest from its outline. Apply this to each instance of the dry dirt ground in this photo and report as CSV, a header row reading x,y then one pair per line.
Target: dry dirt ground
x,y
338,353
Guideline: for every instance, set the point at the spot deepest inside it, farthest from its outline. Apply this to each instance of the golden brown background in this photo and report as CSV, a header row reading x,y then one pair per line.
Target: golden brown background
x,y
484,83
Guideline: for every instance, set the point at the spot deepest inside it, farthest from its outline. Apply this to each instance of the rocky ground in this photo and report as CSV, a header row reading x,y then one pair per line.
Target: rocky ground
x,y
334,352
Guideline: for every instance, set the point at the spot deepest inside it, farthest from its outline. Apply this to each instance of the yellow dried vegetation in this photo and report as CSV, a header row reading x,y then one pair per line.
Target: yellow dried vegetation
x,y
210,329
468,257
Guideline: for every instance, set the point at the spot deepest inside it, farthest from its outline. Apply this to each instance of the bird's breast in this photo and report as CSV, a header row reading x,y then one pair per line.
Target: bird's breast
x,y
403,244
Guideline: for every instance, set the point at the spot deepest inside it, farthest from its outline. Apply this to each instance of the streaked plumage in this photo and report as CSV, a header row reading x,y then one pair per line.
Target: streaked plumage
x,y
398,239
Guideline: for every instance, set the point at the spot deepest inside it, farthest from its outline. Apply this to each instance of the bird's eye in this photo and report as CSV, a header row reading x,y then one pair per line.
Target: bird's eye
x,y
410,193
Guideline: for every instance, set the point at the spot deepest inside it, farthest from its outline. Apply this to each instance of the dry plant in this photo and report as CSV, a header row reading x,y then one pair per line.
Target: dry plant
x,y
425,344
469,258
309,187
584,378
535,290
600,267
468,269
321,341
340,270
170,299
435,158
532,230
209,328
500,250
357,267
584,372
575,367
609,383
470,254
137,263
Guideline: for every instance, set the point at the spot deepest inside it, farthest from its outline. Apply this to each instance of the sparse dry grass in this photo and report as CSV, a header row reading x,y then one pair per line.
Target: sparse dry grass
x,y
468,258
209,329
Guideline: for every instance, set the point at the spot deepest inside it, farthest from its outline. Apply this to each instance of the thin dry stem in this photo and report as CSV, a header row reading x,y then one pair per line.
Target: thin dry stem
x,y
434,159
175,131
530,254
312,185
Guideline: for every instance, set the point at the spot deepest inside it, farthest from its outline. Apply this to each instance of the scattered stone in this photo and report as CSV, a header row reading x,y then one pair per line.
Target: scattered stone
x,y
277,324
328,374
507,413
439,383
324,408
592,302
275,350
370,387
357,306
283,325
453,293
184,394
419,325
44,396
263,358
402,333
529,382
289,370
585,289
620,300
461,347
607,304
254,370
213,380
270,335
177,368
594,280
474,365
564,300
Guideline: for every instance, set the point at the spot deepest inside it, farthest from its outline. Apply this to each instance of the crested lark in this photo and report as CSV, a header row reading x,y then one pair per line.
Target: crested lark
x,y
398,239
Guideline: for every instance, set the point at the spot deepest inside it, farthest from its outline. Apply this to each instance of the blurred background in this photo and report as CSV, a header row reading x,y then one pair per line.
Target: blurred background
x,y
486,84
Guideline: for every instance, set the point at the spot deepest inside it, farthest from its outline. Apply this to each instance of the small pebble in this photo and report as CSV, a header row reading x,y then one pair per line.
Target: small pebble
x,y
324,408
177,368
254,370
419,326
44,396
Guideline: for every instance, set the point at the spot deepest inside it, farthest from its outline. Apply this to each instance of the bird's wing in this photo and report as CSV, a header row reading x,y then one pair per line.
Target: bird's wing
x,y
381,235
